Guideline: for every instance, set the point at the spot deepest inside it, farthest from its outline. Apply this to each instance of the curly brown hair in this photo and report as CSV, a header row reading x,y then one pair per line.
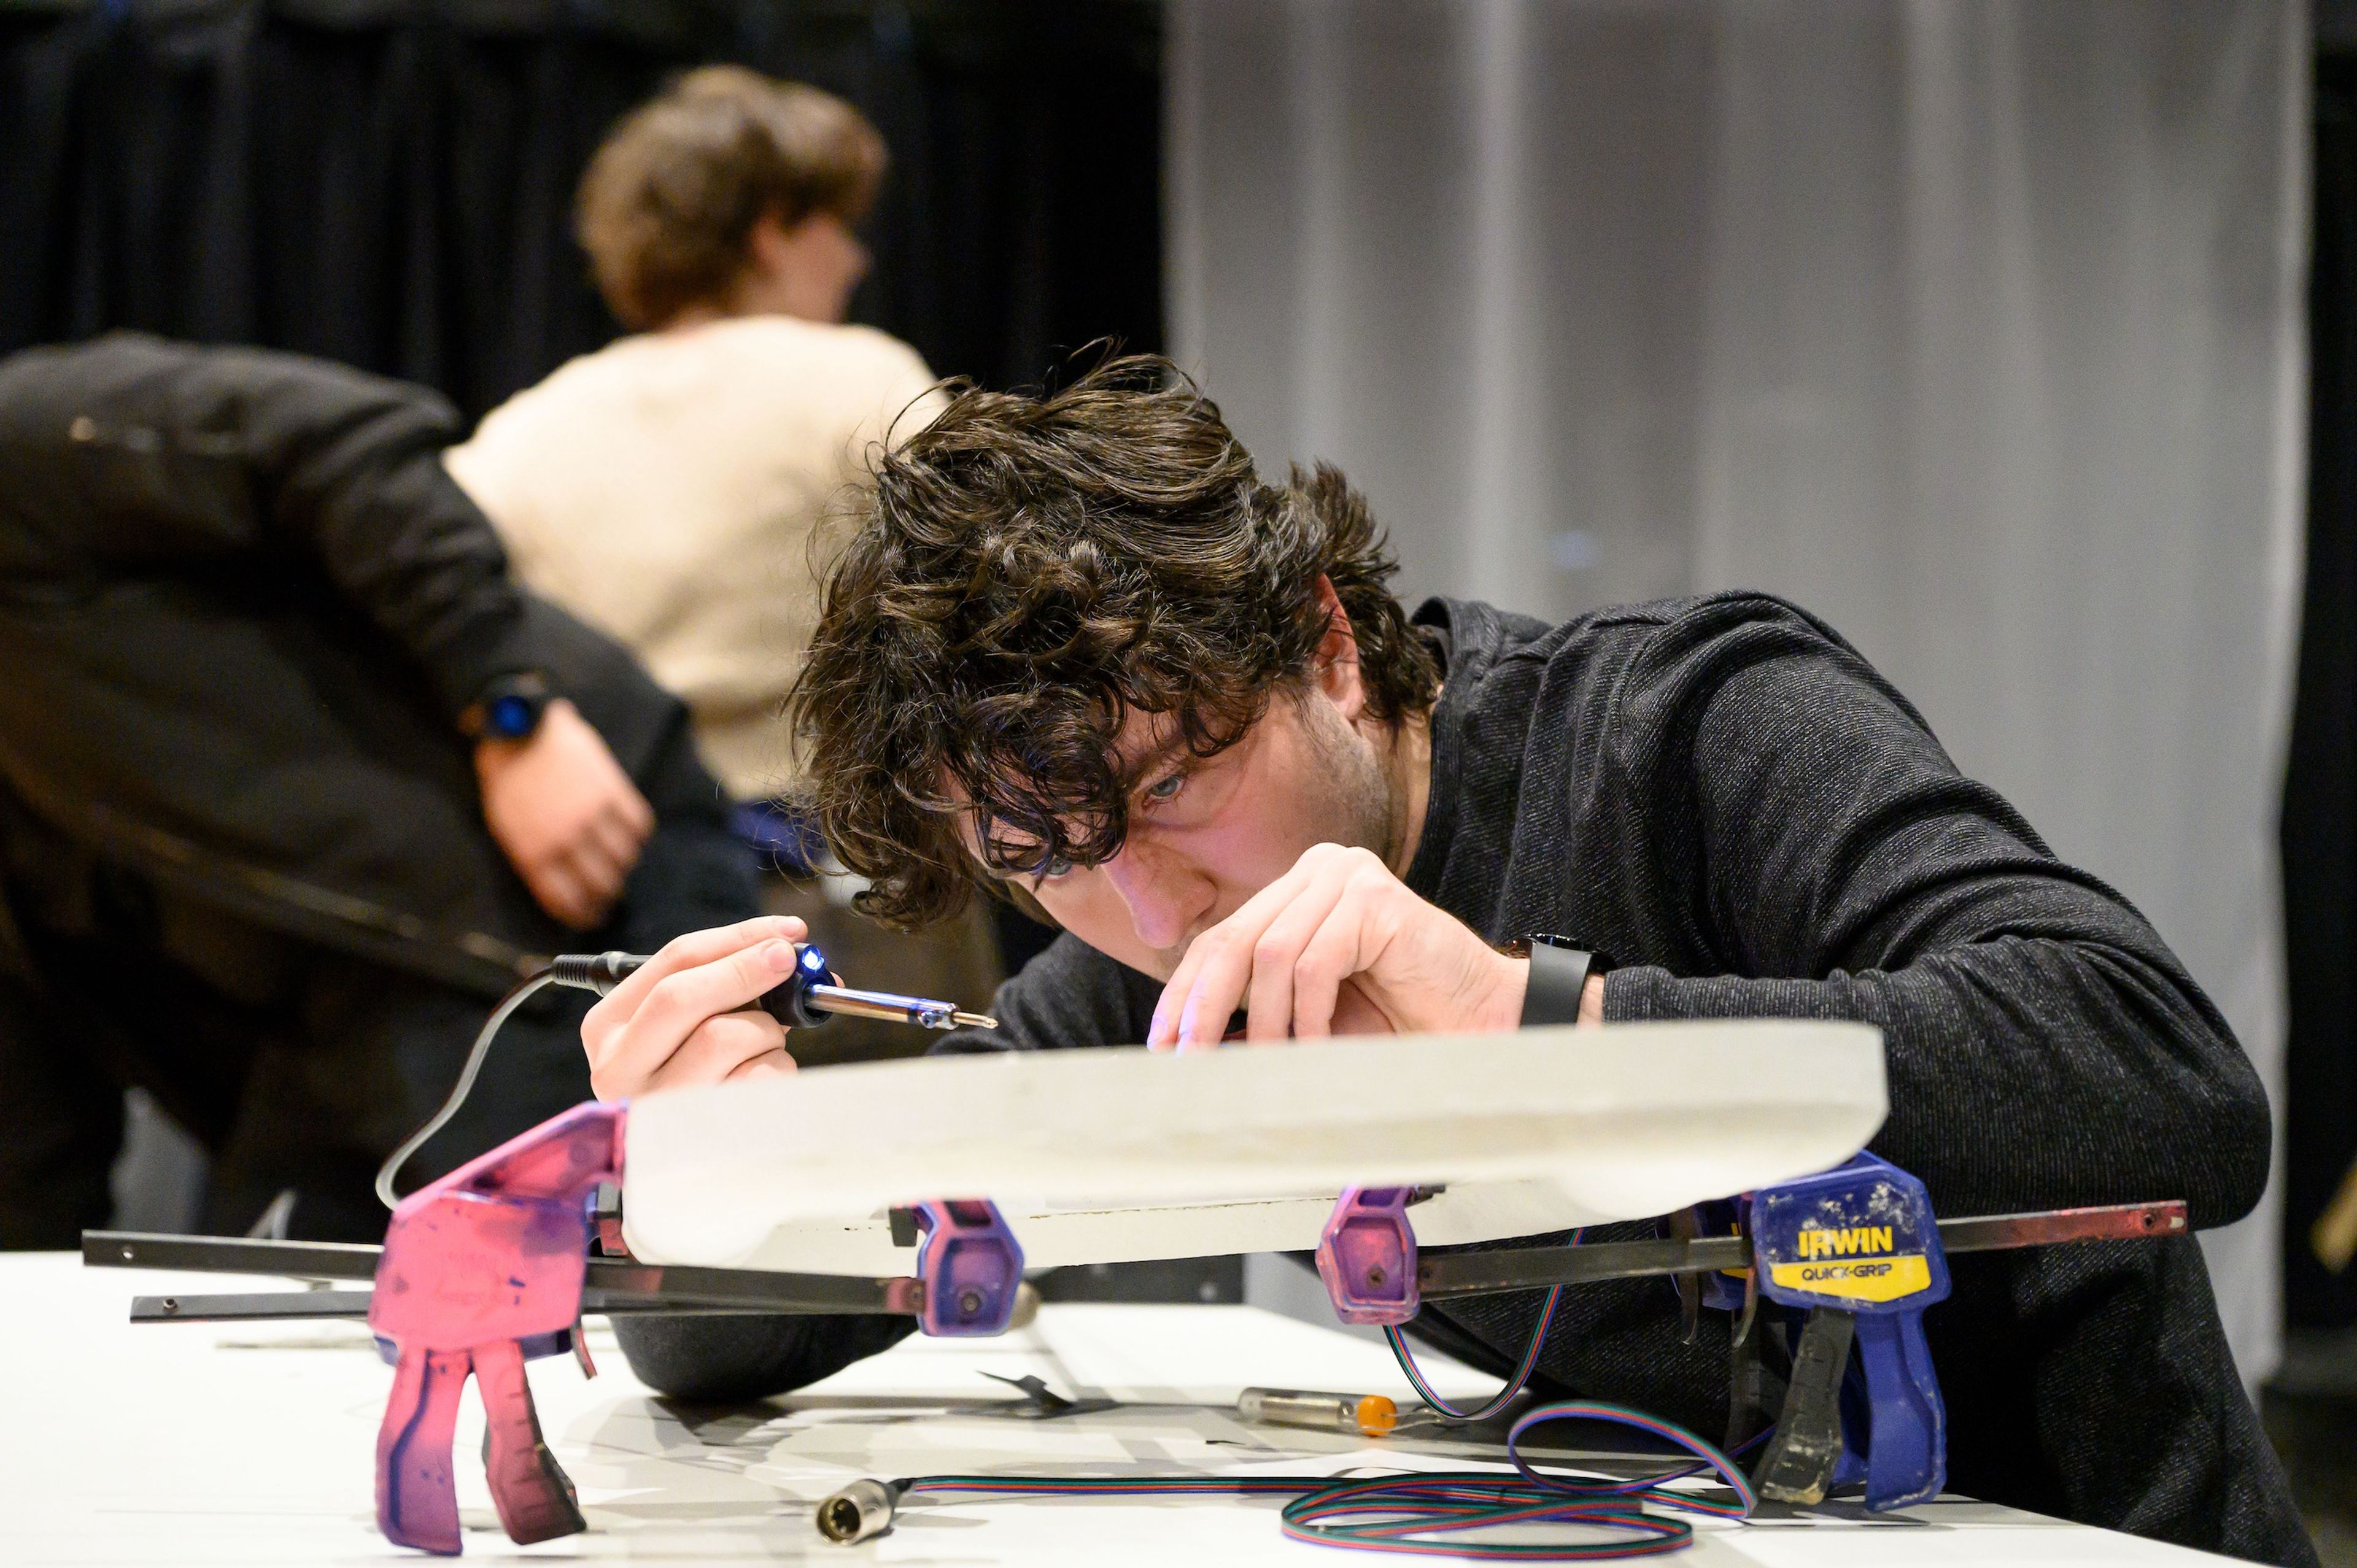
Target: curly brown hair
x,y
1030,569
669,198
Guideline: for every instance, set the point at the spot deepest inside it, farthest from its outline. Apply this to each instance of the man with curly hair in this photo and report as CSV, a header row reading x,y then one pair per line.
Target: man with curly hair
x,y
1081,653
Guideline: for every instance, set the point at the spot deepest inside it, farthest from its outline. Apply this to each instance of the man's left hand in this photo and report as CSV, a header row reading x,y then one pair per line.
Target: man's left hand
x,y
1338,946
568,817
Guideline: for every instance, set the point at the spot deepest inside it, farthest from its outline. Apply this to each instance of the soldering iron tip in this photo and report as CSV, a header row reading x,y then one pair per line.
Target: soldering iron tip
x,y
974,1021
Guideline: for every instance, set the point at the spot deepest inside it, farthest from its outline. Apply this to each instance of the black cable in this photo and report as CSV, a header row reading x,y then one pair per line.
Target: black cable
x,y
465,1085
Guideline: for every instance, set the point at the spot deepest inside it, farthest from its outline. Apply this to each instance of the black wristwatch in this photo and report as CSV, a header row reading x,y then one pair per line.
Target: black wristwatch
x,y
1559,969
510,708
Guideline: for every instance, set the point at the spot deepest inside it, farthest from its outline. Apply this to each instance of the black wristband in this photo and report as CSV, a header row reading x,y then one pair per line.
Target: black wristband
x,y
1558,976
509,707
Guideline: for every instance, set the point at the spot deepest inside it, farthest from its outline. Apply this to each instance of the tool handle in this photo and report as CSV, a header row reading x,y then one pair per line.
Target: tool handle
x,y
534,1499
788,1001
416,1498
1362,1416
1906,1444
1798,1466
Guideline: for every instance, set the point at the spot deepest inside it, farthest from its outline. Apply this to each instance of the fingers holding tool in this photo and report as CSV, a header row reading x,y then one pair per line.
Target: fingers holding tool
x,y
688,1016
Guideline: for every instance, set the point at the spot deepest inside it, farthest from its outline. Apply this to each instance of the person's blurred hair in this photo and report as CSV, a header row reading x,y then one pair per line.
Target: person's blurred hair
x,y
668,201
1032,568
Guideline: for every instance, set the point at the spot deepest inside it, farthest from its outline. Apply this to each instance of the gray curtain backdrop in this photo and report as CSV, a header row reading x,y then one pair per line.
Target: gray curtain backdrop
x,y
1973,327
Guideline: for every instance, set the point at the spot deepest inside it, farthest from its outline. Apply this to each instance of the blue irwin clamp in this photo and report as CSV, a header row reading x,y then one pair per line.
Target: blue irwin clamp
x,y
1835,1269
1858,1249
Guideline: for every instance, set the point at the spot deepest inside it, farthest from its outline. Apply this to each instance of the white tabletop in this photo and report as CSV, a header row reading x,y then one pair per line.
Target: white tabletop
x,y
254,1444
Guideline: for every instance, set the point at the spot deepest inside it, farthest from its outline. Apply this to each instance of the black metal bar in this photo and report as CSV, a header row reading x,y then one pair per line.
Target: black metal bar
x,y
230,1255
2111,1222
289,1306
1536,1268
631,1286
1527,1268
612,1284
751,1288
261,1306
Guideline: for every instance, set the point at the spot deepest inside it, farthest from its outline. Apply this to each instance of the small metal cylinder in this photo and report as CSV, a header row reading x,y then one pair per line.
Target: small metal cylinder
x,y
1367,1415
861,1509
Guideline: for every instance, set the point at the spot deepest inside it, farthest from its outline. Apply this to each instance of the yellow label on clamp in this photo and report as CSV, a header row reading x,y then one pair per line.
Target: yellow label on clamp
x,y
1860,1279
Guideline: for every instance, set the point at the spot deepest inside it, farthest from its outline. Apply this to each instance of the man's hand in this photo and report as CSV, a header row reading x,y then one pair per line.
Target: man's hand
x,y
1338,946
568,817
684,1017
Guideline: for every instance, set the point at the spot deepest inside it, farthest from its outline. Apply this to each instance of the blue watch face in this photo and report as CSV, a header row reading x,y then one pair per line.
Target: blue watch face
x,y
511,717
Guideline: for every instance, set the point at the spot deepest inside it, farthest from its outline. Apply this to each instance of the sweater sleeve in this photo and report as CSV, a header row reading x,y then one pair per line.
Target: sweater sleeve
x,y
351,472
177,457
2045,1048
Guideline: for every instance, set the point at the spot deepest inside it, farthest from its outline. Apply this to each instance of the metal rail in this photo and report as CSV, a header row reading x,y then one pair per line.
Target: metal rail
x,y
611,1285
621,1287
1536,1268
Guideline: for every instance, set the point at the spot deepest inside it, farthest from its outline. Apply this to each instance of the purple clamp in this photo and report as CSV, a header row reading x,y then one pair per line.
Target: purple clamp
x,y
481,1271
1366,1255
968,1267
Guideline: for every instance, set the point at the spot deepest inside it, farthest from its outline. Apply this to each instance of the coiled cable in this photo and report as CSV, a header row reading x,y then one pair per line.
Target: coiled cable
x,y
1415,1514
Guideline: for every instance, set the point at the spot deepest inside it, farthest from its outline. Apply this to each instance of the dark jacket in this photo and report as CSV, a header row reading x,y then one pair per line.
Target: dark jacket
x,y
241,607
1723,795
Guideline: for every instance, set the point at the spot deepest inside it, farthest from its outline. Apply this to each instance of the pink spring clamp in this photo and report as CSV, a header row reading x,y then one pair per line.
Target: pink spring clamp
x,y
969,1267
1366,1255
482,1269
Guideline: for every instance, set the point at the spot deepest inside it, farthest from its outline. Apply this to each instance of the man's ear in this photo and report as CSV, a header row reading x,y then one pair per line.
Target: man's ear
x,y
768,246
1336,665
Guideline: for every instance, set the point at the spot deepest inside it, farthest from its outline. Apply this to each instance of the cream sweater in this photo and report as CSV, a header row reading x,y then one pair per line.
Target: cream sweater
x,y
684,492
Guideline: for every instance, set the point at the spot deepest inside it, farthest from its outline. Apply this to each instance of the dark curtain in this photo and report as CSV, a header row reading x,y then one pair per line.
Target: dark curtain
x,y
389,182
2320,816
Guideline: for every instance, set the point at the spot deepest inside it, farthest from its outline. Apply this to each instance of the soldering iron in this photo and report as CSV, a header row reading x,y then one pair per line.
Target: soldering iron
x,y
806,998
803,1000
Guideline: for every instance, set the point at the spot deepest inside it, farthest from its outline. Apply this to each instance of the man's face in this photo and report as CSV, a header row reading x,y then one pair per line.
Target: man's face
x,y
1205,835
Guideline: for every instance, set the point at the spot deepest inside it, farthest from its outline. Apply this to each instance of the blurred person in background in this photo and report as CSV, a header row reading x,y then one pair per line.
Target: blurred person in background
x,y
293,781
679,488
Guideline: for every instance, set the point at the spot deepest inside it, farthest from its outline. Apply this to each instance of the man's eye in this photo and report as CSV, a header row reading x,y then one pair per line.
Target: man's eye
x,y
1165,788
1052,866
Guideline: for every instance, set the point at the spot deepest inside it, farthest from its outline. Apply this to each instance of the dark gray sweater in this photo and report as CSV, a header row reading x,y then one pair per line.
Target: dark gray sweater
x,y
1724,796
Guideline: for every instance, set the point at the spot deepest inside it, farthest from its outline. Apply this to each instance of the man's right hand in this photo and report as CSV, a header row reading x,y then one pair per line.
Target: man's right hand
x,y
686,1018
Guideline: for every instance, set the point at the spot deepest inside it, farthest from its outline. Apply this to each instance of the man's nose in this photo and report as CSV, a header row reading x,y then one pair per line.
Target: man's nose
x,y
1162,899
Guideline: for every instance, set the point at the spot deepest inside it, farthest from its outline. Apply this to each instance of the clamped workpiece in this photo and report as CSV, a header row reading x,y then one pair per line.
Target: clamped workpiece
x,y
495,1264
1839,1266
